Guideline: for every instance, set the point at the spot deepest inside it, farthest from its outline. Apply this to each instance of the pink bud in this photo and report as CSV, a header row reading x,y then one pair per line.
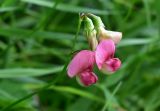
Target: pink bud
x,y
87,78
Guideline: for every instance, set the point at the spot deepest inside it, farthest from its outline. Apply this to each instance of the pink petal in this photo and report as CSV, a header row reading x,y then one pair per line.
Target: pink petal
x,y
111,65
104,51
84,60
87,78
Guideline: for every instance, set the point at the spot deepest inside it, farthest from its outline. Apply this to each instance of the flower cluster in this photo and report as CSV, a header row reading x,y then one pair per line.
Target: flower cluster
x,y
102,43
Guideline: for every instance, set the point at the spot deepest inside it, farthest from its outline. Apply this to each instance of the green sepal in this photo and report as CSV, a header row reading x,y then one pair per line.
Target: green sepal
x,y
96,21
88,26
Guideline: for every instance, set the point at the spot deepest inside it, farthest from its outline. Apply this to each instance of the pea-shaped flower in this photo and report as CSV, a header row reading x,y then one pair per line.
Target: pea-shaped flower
x,y
81,66
104,56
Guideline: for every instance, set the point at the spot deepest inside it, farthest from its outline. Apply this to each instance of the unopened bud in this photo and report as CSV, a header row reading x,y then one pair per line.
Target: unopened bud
x,y
105,34
102,33
90,33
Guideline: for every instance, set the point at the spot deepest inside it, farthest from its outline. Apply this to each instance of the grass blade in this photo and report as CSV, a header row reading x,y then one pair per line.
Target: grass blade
x,y
27,72
66,7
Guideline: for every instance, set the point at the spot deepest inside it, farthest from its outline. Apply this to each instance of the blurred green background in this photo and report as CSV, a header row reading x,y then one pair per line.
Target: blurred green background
x,y
37,37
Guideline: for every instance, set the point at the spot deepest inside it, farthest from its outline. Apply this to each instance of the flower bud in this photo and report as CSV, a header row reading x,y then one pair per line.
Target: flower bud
x,y
105,34
102,33
90,33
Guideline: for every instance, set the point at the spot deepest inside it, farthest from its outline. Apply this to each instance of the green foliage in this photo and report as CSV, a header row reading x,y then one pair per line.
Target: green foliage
x,y
38,38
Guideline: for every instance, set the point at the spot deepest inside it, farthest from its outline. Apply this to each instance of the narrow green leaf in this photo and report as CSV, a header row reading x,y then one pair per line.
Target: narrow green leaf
x,y
133,41
27,72
7,9
66,7
67,89
23,33
77,92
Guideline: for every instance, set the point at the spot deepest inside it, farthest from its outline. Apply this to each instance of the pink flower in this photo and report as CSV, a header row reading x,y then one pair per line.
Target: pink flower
x,y
82,67
104,56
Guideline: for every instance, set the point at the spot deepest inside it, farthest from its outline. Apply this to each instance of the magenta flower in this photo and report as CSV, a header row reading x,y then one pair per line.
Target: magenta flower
x,y
104,57
81,66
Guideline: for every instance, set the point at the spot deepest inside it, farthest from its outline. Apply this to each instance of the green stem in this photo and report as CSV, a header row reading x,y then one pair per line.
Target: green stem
x,y
76,36
148,13
7,54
